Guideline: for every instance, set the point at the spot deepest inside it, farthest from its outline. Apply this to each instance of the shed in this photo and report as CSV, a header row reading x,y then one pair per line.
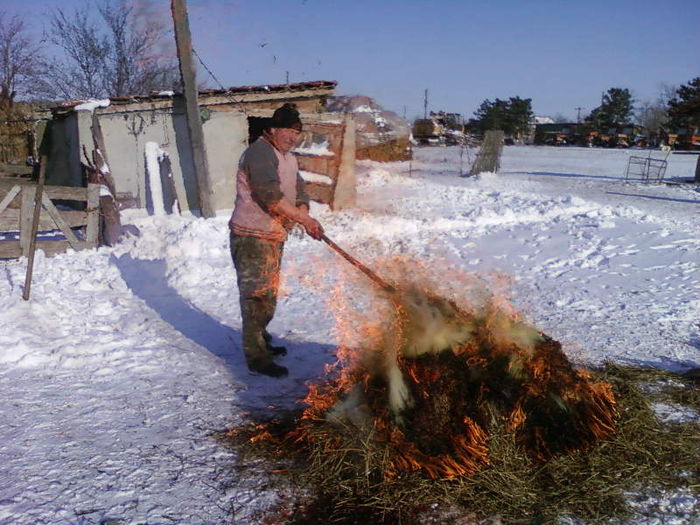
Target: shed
x,y
231,119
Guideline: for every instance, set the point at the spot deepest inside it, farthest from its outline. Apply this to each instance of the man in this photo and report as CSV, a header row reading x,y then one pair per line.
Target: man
x,y
270,200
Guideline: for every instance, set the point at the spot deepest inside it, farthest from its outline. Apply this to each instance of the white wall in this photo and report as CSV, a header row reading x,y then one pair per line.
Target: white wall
x,y
125,136
226,137
126,133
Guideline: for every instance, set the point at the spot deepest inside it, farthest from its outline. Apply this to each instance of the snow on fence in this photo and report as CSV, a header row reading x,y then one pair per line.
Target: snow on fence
x,y
13,219
326,158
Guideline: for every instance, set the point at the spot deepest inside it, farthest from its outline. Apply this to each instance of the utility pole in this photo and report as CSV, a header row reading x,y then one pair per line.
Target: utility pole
x,y
183,39
578,115
425,105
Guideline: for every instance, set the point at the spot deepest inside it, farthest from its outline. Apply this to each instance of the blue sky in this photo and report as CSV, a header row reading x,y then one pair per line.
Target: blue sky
x,y
562,54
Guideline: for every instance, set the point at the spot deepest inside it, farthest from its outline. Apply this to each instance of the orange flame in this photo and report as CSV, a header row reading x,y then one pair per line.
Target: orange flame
x,y
491,355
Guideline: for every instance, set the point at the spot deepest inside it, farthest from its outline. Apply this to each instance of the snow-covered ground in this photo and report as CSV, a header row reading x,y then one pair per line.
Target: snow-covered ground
x,y
125,360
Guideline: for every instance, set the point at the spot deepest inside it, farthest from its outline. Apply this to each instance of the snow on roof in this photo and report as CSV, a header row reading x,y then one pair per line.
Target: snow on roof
x,y
92,105
315,85
543,120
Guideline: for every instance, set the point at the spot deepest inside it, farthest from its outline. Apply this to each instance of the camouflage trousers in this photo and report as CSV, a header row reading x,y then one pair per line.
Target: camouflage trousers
x,y
257,262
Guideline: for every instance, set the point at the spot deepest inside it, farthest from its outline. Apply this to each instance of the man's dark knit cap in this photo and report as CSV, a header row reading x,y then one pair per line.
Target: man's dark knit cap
x,y
286,117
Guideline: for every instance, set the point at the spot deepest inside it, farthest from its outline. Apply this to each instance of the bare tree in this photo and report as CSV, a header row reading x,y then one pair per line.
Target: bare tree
x,y
20,59
80,74
136,64
108,51
653,115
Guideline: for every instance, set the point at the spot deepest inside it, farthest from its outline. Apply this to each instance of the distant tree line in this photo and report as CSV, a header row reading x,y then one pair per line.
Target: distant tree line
x,y
512,116
615,109
675,109
106,48
684,108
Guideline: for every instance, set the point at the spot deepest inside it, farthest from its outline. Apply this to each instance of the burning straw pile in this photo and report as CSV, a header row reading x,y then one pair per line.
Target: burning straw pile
x,y
444,376
431,386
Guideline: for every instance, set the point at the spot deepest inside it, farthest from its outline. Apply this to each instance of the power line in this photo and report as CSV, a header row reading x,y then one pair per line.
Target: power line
x,y
226,91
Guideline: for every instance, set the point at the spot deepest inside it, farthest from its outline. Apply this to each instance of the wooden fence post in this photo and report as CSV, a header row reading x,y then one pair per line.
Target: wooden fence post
x,y
35,226
183,40
93,211
345,188
26,215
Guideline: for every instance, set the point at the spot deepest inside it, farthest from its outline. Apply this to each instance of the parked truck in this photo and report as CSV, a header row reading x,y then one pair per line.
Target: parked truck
x,y
428,132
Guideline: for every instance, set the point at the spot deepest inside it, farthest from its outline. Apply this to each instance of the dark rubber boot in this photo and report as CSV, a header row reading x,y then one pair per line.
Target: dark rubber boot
x,y
268,369
273,349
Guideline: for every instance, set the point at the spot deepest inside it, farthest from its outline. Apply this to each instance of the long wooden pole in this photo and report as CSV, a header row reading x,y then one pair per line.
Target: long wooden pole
x,y
357,264
38,198
183,40
111,232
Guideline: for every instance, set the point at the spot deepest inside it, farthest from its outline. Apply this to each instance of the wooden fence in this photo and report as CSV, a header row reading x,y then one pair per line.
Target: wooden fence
x,y
19,218
336,165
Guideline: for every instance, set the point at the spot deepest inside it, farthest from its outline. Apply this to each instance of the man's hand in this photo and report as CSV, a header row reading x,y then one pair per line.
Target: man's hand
x,y
299,214
313,227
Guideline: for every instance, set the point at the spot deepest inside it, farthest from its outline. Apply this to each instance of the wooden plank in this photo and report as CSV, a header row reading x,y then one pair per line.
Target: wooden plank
x,y
39,195
54,247
9,197
345,192
331,131
315,164
99,156
12,249
93,215
9,221
56,216
26,214
75,218
66,193
319,192
307,118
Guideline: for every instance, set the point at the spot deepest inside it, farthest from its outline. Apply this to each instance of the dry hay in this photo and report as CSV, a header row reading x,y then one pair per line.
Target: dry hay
x,y
392,150
496,421
339,485
549,408
459,370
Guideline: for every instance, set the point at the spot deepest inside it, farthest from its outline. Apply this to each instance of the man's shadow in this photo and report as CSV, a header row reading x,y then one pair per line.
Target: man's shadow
x,y
147,280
